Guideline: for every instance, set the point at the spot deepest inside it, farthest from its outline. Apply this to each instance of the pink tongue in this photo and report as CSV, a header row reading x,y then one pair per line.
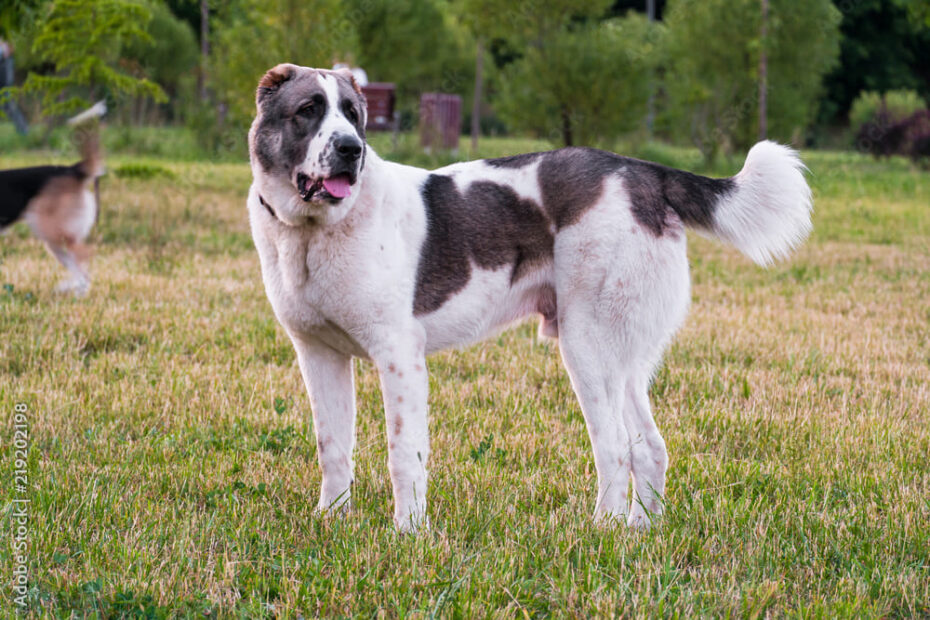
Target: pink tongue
x,y
338,187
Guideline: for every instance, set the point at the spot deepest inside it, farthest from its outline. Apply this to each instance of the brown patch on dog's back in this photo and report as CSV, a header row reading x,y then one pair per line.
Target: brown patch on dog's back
x,y
514,161
661,198
489,225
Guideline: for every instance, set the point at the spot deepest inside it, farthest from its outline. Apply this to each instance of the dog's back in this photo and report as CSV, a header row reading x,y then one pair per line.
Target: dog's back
x,y
20,186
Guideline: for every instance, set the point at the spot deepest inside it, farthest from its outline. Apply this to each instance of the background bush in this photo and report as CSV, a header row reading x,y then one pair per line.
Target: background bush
x,y
899,104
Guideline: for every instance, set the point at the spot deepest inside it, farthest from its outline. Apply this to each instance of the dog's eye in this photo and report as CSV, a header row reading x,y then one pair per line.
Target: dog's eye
x,y
350,112
311,107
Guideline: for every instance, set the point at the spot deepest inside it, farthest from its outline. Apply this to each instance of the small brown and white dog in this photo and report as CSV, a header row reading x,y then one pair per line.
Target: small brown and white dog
x,y
60,203
362,257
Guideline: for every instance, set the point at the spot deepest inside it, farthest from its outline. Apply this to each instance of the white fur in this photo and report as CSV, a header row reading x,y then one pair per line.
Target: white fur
x,y
98,110
335,122
770,213
345,286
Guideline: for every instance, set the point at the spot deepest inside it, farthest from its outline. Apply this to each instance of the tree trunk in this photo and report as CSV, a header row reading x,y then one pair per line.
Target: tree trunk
x,y
651,104
476,101
763,74
566,127
204,48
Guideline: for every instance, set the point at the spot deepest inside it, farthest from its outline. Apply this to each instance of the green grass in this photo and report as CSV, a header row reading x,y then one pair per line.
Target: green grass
x,y
172,467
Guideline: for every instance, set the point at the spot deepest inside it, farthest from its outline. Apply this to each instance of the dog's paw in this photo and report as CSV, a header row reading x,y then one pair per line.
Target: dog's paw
x,y
643,519
411,524
339,507
609,519
78,288
640,521
643,515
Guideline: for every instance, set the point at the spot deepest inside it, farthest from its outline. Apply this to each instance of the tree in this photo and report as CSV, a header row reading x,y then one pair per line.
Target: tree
x,y
251,36
168,55
583,83
14,13
918,11
414,43
83,40
884,47
712,78
478,16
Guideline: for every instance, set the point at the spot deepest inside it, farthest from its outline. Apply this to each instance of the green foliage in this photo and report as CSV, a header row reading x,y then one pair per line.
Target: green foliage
x,y
713,72
142,170
884,47
251,36
15,13
169,54
899,104
82,40
413,43
918,11
585,85
532,22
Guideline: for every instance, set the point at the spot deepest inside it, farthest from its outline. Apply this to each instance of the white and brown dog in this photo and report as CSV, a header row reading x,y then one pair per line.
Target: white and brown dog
x,y
60,203
364,257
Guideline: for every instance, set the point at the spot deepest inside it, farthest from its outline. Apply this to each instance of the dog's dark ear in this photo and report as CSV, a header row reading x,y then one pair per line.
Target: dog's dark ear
x,y
273,80
347,74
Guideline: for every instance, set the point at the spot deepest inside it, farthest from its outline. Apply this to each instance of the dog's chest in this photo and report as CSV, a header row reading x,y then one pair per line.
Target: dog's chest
x,y
338,288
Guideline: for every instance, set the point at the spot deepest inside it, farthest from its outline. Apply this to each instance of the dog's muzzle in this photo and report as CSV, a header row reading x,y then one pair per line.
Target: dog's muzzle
x,y
338,184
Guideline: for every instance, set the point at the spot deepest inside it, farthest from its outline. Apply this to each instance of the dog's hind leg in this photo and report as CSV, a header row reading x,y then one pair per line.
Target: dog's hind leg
x,y
650,457
600,387
621,293
329,380
73,256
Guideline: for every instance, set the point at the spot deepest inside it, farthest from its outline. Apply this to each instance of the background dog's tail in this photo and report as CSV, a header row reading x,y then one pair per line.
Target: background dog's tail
x,y
87,135
95,111
765,210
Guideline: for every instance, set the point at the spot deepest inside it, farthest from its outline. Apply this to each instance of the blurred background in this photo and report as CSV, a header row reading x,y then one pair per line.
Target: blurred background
x,y
179,75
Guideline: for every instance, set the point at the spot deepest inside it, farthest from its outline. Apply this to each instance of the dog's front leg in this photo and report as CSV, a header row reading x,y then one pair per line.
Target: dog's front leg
x,y
329,380
405,387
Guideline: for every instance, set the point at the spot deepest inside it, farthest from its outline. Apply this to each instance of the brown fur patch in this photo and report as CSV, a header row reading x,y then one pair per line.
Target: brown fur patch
x,y
56,210
488,225
275,76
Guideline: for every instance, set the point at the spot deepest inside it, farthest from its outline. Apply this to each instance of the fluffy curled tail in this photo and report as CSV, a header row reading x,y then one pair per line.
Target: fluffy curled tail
x,y
767,212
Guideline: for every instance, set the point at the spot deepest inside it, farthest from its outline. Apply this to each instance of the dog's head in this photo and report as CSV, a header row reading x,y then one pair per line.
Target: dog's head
x,y
308,139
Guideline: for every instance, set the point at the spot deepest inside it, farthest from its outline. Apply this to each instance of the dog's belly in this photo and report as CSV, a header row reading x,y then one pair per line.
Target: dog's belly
x,y
487,304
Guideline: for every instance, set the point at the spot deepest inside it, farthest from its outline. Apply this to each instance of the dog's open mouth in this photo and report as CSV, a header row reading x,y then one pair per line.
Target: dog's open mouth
x,y
333,188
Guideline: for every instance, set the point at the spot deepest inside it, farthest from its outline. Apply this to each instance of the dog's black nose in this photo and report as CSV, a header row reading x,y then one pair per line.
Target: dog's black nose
x,y
348,147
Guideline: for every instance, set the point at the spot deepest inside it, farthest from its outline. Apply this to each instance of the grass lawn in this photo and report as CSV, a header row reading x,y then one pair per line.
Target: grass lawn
x,y
172,469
